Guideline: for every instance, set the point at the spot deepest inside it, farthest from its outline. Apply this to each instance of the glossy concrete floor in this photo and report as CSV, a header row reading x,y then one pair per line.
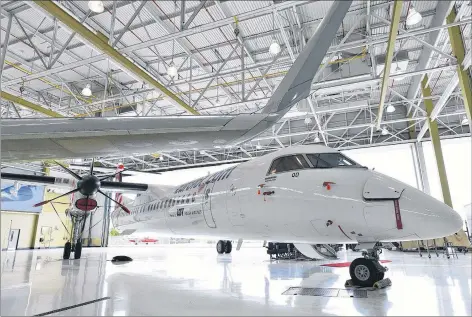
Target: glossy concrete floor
x,y
194,280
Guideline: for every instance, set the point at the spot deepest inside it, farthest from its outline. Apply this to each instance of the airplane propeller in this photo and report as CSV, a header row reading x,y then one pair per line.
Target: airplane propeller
x,y
87,185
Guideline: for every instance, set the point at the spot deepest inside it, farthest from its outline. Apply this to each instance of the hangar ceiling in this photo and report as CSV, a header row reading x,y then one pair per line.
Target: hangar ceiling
x,y
222,53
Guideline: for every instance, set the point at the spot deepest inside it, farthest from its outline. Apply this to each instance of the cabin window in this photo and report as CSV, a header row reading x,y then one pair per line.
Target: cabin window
x,y
193,197
230,171
288,163
330,160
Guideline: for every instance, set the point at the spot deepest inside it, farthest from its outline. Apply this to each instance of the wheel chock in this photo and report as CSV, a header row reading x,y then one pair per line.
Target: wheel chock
x,y
383,283
349,283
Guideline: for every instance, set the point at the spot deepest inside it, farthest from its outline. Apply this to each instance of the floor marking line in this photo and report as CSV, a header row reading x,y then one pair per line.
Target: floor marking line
x,y
73,306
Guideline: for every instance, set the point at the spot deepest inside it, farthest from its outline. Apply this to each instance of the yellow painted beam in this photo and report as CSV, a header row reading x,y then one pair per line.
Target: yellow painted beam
x,y
29,105
100,42
397,11
457,45
436,141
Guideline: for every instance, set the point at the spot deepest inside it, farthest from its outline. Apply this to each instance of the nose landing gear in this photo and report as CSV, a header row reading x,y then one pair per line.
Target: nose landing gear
x,y
367,271
224,246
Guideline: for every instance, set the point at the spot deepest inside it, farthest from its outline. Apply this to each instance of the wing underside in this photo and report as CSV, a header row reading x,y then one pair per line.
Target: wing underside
x,y
30,139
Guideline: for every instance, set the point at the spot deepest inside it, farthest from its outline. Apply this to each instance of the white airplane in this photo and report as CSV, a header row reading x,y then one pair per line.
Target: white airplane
x,y
303,195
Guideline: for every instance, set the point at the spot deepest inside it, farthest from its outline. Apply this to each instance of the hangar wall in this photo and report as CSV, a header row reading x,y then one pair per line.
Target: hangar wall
x,y
26,222
50,232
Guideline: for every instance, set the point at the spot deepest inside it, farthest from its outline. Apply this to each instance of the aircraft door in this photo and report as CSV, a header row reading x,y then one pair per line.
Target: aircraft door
x,y
233,206
206,205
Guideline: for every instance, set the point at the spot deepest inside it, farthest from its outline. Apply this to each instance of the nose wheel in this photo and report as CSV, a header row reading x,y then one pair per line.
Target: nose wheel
x,y
367,271
224,246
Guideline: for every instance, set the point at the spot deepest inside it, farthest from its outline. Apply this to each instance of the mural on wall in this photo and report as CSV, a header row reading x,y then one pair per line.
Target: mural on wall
x,y
20,196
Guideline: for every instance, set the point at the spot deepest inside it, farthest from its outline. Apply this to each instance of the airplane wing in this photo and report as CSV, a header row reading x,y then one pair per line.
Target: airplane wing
x,y
30,139
33,139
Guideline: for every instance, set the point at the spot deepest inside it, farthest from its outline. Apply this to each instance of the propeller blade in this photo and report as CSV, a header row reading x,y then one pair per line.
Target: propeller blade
x,y
76,176
119,204
91,166
48,201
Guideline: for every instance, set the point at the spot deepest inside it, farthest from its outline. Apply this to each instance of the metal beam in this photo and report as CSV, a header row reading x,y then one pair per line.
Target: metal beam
x,y
442,9
434,132
31,43
183,42
28,104
222,6
98,41
186,24
173,158
397,11
126,28
457,45
48,39
5,46
55,70
215,75
216,24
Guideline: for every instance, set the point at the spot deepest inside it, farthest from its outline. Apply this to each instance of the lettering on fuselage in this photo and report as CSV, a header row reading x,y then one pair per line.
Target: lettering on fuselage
x,y
185,200
270,179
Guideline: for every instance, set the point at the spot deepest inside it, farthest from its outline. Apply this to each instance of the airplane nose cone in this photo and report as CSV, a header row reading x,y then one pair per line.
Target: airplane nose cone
x,y
428,217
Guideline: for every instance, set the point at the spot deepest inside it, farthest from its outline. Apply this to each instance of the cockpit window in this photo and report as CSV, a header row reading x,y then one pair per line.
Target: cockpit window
x,y
329,160
288,163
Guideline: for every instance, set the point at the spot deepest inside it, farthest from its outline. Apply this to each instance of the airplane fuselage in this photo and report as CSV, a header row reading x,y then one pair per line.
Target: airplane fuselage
x,y
344,204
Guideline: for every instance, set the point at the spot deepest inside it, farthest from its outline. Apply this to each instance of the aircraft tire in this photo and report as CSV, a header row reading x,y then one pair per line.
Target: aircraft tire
x,y
220,247
364,272
78,250
67,249
228,247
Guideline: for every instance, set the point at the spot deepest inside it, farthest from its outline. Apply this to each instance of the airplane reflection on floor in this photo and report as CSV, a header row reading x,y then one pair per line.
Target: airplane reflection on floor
x,y
194,280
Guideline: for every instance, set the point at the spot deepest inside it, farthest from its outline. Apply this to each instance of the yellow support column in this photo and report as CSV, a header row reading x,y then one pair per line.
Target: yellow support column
x,y
434,132
457,45
397,11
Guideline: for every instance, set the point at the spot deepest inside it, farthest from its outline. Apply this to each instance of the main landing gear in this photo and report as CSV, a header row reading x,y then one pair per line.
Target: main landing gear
x,y
224,246
367,271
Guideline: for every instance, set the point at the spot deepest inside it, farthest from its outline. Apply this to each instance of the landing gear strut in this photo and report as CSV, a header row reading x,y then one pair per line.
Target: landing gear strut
x,y
367,271
224,246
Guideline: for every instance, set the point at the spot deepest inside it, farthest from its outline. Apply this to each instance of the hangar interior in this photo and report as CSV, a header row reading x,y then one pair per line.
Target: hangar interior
x,y
392,92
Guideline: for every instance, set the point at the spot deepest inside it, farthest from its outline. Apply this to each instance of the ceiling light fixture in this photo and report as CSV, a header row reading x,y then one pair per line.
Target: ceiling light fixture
x,y
274,48
87,92
390,108
317,139
96,6
307,120
172,70
413,17
465,121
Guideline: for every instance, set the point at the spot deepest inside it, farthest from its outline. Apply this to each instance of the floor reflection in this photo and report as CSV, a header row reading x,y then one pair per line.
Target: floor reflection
x,y
197,281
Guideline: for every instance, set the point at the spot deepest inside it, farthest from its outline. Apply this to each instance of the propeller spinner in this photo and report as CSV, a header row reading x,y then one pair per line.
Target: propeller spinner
x,y
87,185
